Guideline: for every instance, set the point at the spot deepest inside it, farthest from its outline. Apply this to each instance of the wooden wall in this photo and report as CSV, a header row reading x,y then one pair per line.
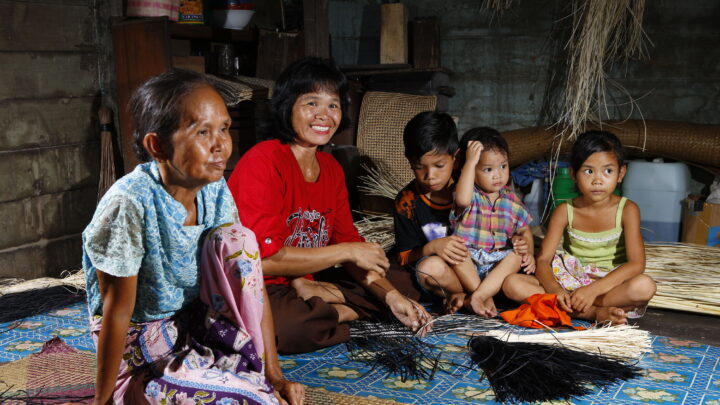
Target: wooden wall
x,y
51,53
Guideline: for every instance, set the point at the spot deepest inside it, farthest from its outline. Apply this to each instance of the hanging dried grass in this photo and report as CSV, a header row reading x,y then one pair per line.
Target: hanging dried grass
x,y
687,277
603,31
499,6
379,182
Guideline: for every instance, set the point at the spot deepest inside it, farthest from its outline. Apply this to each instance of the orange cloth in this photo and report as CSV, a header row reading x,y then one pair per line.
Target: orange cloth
x,y
542,308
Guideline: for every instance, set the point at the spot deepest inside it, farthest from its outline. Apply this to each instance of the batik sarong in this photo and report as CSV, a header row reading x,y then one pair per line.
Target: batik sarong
x,y
212,351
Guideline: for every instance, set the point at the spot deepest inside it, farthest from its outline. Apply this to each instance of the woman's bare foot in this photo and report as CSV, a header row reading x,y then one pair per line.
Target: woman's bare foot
x,y
307,289
614,315
479,305
454,302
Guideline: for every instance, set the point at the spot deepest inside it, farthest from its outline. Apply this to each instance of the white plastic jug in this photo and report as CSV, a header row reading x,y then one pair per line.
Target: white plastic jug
x,y
658,188
533,201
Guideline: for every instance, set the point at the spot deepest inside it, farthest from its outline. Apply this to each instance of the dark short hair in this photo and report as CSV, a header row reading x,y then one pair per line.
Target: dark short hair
x,y
429,131
490,139
591,142
303,76
157,106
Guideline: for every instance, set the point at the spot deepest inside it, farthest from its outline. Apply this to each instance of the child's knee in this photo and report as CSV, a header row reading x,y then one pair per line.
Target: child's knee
x,y
642,288
434,266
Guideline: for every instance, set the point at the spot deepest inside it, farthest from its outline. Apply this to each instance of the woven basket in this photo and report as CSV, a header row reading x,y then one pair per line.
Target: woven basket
x,y
380,129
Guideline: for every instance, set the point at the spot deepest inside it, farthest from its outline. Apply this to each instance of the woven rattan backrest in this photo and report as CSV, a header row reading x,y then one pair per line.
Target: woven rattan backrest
x,y
380,131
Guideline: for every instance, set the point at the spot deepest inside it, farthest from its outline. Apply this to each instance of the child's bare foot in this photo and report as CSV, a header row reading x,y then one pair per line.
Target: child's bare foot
x,y
478,305
307,289
614,315
490,304
454,302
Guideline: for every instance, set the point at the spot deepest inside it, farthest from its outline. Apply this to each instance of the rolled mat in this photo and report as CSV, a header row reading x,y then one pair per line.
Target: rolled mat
x,y
698,144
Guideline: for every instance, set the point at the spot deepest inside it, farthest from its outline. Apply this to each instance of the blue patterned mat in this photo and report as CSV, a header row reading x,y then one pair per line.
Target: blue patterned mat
x,y
676,372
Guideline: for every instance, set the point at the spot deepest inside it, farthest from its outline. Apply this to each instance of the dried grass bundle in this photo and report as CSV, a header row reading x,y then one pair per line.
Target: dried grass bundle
x,y
377,228
622,341
379,182
35,297
499,6
687,276
602,32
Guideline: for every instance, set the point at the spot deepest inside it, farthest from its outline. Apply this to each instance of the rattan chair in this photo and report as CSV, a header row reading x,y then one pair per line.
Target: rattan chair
x,y
380,129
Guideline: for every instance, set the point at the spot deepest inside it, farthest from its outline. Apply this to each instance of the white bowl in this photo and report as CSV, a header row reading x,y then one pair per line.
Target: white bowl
x,y
233,19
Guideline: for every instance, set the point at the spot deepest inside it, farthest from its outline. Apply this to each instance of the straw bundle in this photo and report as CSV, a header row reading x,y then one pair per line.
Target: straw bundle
x,y
602,32
107,156
687,276
622,341
232,92
379,182
377,228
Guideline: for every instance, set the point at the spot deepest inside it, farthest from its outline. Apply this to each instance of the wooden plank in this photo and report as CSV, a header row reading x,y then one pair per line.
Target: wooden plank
x,y
46,74
46,216
425,43
45,27
47,122
142,50
316,28
276,50
46,258
393,33
30,173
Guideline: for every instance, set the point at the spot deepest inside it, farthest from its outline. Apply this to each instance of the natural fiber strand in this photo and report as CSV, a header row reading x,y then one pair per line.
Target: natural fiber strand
x,y
39,296
377,228
602,32
687,276
532,372
621,341
107,157
379,182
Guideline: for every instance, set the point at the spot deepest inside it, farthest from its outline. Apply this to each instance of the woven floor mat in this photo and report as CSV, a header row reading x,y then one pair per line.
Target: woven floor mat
x,y
319,396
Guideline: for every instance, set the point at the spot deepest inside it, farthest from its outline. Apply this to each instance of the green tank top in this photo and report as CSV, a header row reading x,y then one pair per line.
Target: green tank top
x,y
605,250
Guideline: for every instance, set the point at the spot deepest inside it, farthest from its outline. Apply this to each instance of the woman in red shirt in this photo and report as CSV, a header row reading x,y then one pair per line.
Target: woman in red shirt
x,y
294,198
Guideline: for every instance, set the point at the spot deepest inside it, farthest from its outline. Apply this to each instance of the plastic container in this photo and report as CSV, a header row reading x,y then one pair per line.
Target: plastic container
x,y
533,201
658,188
563,186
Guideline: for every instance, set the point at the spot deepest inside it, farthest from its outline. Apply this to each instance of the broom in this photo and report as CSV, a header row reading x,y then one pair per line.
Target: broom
x,y
107,159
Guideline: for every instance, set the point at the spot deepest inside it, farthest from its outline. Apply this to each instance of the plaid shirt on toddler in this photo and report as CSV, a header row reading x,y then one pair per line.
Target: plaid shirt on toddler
x,y
489,227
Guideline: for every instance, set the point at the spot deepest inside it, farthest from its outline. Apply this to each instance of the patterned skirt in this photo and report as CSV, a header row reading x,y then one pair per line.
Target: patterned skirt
x,y
211,352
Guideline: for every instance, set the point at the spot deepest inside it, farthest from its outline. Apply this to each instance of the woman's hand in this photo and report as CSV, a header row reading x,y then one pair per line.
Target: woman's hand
x,y
583,298
368,256
409,312
452,249
288,392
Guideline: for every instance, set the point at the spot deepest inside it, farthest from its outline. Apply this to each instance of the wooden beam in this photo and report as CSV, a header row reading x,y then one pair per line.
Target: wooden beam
x,y
393,33
316,28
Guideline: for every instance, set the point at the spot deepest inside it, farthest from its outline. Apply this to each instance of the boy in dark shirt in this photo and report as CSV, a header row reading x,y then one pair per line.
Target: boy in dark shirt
x,y
422,227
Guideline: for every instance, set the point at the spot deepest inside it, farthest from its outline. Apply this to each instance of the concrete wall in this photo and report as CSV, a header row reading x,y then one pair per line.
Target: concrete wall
x,y
501,63
53,55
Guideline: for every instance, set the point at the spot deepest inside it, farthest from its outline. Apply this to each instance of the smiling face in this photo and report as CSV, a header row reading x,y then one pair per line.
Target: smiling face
x,y
201,145
492,171
598,176
433,171
315,118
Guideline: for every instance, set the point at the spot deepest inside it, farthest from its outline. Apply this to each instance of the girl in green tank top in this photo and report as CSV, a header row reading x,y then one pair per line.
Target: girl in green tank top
x,y
599,273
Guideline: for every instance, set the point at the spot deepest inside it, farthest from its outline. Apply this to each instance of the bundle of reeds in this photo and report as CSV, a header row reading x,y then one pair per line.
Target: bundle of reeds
x,y
379,182
107,155
377,228
687,276
622,341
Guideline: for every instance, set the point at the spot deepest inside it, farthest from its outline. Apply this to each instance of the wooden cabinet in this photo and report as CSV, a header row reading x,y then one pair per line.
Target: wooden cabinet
x,y
143,48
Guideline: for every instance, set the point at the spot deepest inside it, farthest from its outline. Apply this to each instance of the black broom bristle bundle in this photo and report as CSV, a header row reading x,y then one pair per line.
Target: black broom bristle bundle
x,y
407,357
534,372
29,303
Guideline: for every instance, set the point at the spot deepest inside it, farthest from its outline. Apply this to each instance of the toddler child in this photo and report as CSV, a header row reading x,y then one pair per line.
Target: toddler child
x,y
422,208
489,217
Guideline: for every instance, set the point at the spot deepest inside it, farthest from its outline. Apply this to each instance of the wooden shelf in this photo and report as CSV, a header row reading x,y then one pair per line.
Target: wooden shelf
x,y
197,31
